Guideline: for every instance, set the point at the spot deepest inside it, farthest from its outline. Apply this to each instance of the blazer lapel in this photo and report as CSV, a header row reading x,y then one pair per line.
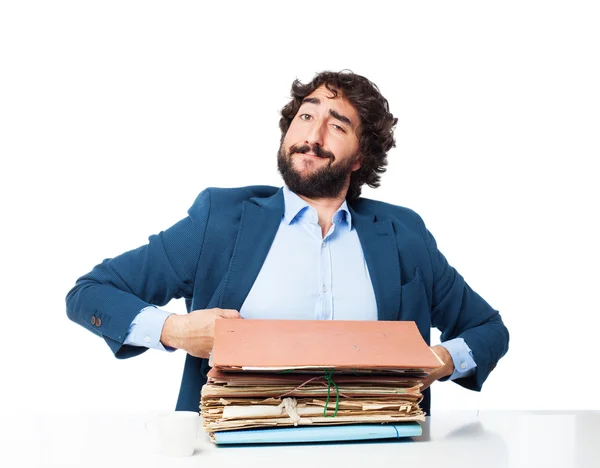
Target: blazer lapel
x,y
381,254
258,225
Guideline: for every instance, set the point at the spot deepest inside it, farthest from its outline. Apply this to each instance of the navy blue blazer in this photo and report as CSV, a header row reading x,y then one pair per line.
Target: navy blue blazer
x,y
213,256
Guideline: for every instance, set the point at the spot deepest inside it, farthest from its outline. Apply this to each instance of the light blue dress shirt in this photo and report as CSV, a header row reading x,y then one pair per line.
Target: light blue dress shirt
x,y
306,276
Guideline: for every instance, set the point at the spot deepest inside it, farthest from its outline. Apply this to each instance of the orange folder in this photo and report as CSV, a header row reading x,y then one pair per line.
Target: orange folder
x,y
275,345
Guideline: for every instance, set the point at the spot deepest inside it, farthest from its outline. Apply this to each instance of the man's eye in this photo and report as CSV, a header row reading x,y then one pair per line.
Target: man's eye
x,y
305,116
337,127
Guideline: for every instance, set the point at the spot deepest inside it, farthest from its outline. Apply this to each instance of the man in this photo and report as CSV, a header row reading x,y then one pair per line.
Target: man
x,y
311,250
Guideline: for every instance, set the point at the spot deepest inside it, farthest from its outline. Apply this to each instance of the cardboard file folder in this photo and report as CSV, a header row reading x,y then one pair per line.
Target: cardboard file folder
x,y
272,345
319,434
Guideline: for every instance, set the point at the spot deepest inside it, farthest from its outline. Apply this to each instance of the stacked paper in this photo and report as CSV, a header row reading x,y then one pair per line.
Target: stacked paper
x,y
285,373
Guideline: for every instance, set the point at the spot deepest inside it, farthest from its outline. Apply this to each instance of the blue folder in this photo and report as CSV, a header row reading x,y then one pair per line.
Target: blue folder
x,y
331,433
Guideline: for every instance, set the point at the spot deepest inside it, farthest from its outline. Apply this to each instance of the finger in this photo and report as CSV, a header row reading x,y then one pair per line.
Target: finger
x,y
229,314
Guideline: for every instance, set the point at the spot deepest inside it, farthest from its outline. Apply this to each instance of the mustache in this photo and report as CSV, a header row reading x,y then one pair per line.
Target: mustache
x,y
320,152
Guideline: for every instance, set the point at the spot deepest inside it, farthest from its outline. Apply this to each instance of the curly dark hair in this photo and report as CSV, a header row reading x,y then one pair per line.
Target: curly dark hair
x,y
376,130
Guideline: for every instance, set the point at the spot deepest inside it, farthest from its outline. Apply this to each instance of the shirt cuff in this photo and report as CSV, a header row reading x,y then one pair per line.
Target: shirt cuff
x,y
462,356
146,328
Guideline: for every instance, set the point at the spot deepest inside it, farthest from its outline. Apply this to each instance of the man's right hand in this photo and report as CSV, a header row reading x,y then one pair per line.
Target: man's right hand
x,y
194,332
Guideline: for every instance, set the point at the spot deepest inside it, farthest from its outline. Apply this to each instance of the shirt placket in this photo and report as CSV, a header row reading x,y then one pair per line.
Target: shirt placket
x,y
325,269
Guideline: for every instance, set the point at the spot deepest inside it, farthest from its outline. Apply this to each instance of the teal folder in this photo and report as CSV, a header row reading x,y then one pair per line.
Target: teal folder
x,y
350,432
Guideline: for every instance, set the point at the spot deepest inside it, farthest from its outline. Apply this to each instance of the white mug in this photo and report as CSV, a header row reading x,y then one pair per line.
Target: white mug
x,y
176,431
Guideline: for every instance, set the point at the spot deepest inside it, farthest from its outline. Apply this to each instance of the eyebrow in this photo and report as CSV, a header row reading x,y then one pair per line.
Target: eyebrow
x,y
334,114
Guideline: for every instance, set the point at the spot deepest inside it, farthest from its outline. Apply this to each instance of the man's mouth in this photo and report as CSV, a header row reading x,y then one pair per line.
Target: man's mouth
x,y
314,155
315,152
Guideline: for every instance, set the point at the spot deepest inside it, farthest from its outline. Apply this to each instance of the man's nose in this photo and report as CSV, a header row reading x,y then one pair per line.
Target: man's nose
x,y
315,134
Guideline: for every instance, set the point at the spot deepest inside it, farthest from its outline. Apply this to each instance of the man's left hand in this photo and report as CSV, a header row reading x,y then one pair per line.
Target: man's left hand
x,y
441,371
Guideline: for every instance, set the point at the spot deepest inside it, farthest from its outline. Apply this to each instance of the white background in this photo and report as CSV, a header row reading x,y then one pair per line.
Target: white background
x,y
114,115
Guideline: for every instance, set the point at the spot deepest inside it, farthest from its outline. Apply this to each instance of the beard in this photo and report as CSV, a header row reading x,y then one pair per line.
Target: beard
x,y
326,182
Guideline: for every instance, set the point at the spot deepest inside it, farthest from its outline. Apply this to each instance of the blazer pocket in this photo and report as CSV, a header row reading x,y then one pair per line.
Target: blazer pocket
x,y
413,301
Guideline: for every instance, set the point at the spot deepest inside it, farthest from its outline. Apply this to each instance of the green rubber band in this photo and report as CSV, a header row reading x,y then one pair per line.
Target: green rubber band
x,y
328,376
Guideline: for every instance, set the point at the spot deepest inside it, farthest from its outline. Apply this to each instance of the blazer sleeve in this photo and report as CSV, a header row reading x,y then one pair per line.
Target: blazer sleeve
x,y
107,299
459,312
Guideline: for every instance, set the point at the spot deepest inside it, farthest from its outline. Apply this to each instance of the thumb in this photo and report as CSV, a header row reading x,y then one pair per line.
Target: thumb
x,y
229,314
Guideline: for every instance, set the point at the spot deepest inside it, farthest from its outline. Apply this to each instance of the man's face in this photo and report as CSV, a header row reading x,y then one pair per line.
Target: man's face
x,y
320,148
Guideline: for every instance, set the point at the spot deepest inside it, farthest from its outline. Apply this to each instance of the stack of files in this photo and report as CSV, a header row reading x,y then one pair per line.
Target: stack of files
x,y
295,376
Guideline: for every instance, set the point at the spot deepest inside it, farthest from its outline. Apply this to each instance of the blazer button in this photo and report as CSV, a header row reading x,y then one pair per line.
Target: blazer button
x,y
98,322
93,320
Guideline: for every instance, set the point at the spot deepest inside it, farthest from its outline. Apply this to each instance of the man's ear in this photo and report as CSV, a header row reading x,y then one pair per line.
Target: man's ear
x,y
357,164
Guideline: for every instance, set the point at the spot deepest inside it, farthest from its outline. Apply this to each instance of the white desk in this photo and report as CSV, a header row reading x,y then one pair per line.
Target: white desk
x,y
487,439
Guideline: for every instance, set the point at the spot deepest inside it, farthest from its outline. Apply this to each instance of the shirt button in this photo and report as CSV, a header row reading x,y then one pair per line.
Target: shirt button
x,y
324,288
463,366
323,244
147,339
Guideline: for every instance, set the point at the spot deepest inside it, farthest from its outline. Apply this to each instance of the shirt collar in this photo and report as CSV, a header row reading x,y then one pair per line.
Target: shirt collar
x,y
294,205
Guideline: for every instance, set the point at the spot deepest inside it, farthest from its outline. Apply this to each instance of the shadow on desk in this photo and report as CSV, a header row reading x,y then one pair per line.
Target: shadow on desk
x,y
464,440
